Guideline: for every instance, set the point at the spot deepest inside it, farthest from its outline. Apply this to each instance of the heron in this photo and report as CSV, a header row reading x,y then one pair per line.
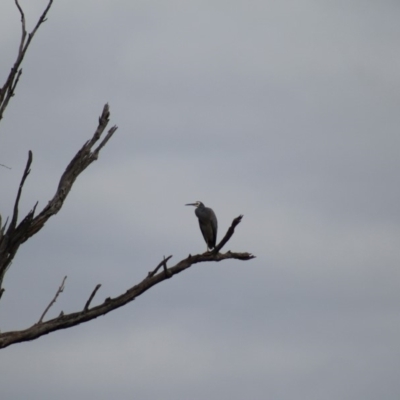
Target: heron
x,y
208,223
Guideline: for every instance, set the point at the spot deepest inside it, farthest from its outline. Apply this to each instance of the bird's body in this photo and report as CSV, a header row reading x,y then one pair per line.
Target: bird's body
x,y
208,223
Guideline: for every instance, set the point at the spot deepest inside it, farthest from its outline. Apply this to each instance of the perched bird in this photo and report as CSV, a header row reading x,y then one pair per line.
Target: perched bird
x,y
208,223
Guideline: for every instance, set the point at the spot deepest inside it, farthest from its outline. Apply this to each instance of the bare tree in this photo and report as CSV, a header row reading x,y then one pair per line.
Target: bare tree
x,y
15,231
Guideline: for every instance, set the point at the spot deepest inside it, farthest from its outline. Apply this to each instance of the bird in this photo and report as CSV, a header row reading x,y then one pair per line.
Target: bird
x,y
208,223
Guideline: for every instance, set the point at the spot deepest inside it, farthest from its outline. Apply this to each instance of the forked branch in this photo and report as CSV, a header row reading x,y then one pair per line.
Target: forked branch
x,y
17,234
110,304
8,89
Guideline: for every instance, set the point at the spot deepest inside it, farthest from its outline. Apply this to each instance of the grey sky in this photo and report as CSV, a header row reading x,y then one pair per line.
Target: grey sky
x,y
286,112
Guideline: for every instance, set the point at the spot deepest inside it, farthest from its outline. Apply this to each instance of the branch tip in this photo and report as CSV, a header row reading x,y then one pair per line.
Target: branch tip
x,y
21,185
60,290
91,297
228,235
163,264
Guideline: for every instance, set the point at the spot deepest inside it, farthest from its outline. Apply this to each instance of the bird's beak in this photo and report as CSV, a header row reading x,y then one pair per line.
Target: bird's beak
x,y
191,204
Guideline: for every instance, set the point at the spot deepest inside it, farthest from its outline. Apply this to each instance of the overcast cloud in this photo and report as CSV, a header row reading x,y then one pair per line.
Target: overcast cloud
x,y
284,111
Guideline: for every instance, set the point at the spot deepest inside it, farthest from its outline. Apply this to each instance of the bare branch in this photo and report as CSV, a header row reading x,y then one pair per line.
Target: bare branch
x,y
41,19
60,290
228,234
23,35
8,89
165,269
21,185
163,263
91,297
15,83
5,166
110,304
83,158
104,141
30,225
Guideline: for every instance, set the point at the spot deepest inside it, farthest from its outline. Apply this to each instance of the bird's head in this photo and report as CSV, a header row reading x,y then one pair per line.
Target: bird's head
x,y
196,204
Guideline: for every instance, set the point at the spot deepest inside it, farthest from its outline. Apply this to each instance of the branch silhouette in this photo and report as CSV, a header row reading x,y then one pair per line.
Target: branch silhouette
x,y
15,232
8,89
60,290
64,321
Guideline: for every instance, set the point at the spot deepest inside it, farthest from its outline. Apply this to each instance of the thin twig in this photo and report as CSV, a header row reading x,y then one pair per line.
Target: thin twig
x,y
42,18
21,185
60,290
5,166
163,263
8,89
91,297
23,35
166,271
